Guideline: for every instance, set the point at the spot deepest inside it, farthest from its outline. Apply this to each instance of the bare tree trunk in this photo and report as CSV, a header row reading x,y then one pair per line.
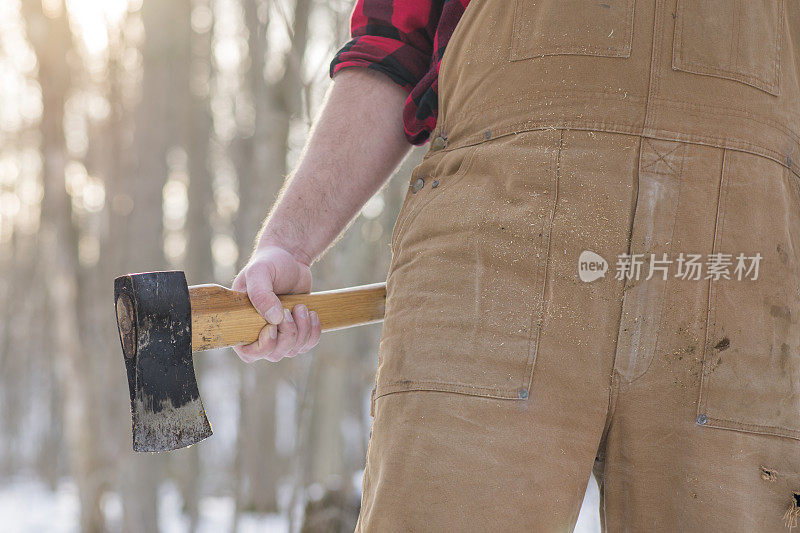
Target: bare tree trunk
x,y
51,40
261,169
199,262
156,131
22,355
261,164
108,157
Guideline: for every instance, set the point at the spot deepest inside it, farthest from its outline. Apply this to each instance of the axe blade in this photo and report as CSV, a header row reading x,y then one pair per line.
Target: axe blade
x,y
154,321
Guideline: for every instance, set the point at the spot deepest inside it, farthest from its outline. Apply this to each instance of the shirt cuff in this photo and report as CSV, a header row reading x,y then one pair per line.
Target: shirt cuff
x,y
404,64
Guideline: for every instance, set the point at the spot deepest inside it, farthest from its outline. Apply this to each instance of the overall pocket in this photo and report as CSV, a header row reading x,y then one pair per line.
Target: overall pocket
x,y
751,362
437,170
736,40
572,27
465,287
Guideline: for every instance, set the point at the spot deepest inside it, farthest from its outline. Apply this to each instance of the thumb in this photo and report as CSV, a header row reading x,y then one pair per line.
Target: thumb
x,y
261,294
240,283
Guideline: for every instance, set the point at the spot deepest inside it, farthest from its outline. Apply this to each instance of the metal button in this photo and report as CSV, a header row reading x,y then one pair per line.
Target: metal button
x,y
438,143
435,184
418,184
522,393
487,134
702,419
789,161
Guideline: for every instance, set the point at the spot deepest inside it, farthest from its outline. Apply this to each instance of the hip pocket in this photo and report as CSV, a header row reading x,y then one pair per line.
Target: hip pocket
x,y
437,171
572,27
751,363
736,40
465,288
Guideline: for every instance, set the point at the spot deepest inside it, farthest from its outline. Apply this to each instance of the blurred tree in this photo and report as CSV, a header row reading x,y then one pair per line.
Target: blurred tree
x,y
156,137
195,134
50,36
260,158
107,157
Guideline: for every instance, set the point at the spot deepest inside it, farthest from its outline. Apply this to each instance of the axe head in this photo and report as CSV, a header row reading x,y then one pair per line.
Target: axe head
x,y
155,329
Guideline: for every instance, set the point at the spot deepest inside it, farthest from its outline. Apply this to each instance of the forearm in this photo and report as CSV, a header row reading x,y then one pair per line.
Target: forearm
x,y
356,143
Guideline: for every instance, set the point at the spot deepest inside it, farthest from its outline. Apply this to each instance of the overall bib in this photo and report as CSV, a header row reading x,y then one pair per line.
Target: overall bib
x,y
574,133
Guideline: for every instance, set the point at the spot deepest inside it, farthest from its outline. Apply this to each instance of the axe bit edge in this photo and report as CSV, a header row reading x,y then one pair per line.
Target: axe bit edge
x,y
154,321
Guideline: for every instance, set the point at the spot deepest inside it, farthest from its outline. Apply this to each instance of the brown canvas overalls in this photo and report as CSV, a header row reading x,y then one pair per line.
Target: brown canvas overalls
x,y
647,128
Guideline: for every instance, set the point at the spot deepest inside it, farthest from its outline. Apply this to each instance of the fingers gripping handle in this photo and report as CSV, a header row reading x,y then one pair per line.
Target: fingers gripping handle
x,y
222,317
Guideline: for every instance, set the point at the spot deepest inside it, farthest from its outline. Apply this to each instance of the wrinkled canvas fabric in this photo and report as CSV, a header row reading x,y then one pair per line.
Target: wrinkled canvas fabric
x,y
621,128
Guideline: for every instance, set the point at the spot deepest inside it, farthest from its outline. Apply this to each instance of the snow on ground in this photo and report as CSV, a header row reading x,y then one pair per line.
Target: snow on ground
x,y
589,519
29,506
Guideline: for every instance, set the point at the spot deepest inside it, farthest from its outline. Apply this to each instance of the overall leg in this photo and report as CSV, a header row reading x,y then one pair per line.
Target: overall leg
x,y
703,435
474,265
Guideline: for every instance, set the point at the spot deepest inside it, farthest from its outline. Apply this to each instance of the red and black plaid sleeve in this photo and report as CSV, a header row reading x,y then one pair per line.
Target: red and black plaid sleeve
x,y
405,39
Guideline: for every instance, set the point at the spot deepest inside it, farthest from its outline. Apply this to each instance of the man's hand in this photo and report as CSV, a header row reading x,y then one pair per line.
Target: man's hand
x,y
273,270
333,179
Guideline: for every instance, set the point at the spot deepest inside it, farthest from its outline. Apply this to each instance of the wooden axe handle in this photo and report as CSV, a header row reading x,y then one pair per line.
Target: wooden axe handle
x,y
222,317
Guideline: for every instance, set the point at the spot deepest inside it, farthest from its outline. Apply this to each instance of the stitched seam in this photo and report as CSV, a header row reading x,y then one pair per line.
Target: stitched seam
x,y
661,157
710,111
739,145
533,348
755,428
770,87
446,386
611,95
711,326
713,111
653,79
615,370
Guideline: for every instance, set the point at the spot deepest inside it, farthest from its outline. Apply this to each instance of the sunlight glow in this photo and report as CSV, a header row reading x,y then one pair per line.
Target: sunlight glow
x,y
224,250
91,19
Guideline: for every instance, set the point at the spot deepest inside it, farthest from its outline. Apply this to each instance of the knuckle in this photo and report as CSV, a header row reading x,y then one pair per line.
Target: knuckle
x,y
261,270
247,358
290,332
262,300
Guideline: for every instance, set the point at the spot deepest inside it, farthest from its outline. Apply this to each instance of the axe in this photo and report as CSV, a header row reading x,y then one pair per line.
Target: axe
x,y
162,321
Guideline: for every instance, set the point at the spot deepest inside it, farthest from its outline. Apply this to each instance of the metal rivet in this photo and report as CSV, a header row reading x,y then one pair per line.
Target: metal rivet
x,y
487,134
418,184
522,393
438,143
702,419
435,184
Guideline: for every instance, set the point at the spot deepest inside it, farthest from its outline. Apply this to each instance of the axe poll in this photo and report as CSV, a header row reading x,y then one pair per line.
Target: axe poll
x,y
162,322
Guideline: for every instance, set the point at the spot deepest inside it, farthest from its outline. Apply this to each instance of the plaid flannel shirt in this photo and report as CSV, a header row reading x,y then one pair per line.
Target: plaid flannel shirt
x,y
405,39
